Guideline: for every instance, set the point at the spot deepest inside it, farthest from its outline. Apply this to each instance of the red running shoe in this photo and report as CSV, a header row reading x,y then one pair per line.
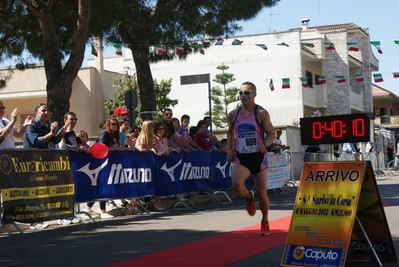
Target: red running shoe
x,y
251,204
264,228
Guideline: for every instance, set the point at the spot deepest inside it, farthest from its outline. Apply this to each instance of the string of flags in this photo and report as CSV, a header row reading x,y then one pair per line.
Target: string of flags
x,y
322,80
329,46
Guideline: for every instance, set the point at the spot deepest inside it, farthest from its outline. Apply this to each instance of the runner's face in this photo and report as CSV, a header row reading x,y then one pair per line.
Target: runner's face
x,y
246,97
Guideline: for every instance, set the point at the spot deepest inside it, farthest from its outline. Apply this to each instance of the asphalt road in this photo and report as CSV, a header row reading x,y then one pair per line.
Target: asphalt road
x,y
113,240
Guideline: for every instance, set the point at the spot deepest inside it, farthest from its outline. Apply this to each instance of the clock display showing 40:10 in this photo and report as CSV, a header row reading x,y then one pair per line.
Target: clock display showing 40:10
x,y
337,128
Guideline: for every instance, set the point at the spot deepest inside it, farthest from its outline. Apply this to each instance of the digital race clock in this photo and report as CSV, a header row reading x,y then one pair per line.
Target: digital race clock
x,y
335,129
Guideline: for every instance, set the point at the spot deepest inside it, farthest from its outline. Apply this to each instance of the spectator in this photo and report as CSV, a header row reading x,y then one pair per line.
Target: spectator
x,y
120,113
146,139
200,137
109,136
194,129
371,147
8,129
209,134
81,138
69,141
38,135
176,125
167,119
124,125
310,151
349,150
184,134
278,146
224,147
390,152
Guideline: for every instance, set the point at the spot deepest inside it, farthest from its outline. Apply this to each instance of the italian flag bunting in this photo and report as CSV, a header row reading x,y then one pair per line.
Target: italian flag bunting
x,y
283,44
159,49
219,41
340,79
329,46
396,74
308,45
352,46
377,45
94,51
378,77
304,81
321,79
198,47
359,77
237,42
118,49
271,85
286,83
263,46
179,49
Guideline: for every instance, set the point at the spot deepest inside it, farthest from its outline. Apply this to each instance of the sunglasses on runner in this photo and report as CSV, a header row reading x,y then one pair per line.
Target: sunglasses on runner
x,y
246,92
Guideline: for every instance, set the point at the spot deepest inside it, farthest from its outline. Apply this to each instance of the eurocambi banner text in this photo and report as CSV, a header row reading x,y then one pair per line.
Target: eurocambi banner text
x,y
36,185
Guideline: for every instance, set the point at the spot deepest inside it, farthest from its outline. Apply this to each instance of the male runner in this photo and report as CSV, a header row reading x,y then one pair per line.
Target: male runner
x,y
247,144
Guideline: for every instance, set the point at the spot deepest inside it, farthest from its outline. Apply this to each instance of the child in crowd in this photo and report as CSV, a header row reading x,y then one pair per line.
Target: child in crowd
x,y
223,147
184,134
82,138
146,139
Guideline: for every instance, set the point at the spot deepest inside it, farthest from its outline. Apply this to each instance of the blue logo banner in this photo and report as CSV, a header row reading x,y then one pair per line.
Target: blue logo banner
x,y
120,174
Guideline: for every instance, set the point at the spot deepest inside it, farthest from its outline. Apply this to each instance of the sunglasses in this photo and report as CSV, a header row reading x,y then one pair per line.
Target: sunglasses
x,y
168,114
114,124
2,107
73,119
246,92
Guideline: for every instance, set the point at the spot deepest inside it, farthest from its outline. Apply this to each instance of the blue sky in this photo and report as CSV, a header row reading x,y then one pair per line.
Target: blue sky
x,y
381,18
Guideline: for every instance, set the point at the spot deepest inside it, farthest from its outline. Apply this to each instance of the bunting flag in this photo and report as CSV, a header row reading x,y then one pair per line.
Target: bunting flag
x,y
396,74
352,46
310,45
329,46
237,42
283,44
271,85
263,46
118,49
378,77
198,46
159,49
304,81
396,42
377,45
94,51
359,77
286,83
179,49
219,41
321,79
340,79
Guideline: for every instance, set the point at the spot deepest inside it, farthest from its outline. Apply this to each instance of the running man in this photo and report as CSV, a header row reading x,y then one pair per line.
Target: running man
x,y
247,144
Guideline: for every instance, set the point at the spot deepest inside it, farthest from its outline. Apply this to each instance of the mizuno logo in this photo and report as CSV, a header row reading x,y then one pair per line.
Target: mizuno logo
x,y
170,170
222,168
93,174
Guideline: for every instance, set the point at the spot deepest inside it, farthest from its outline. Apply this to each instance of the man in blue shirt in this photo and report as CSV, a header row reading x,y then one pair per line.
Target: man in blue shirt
x,y
39,133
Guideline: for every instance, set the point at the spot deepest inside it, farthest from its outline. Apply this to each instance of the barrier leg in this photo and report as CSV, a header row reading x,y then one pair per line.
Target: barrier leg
x,y
181,200
214,193
78,211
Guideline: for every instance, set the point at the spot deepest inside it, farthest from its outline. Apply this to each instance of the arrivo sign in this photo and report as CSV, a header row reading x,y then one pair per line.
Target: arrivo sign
x,y
335,129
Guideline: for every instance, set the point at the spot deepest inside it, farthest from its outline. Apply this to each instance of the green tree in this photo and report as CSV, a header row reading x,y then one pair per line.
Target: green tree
x,y
127,82
140,24
51,31
222,97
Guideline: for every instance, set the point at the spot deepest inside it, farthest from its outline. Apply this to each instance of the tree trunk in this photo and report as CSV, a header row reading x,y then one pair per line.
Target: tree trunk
x,y
144,80
60,78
